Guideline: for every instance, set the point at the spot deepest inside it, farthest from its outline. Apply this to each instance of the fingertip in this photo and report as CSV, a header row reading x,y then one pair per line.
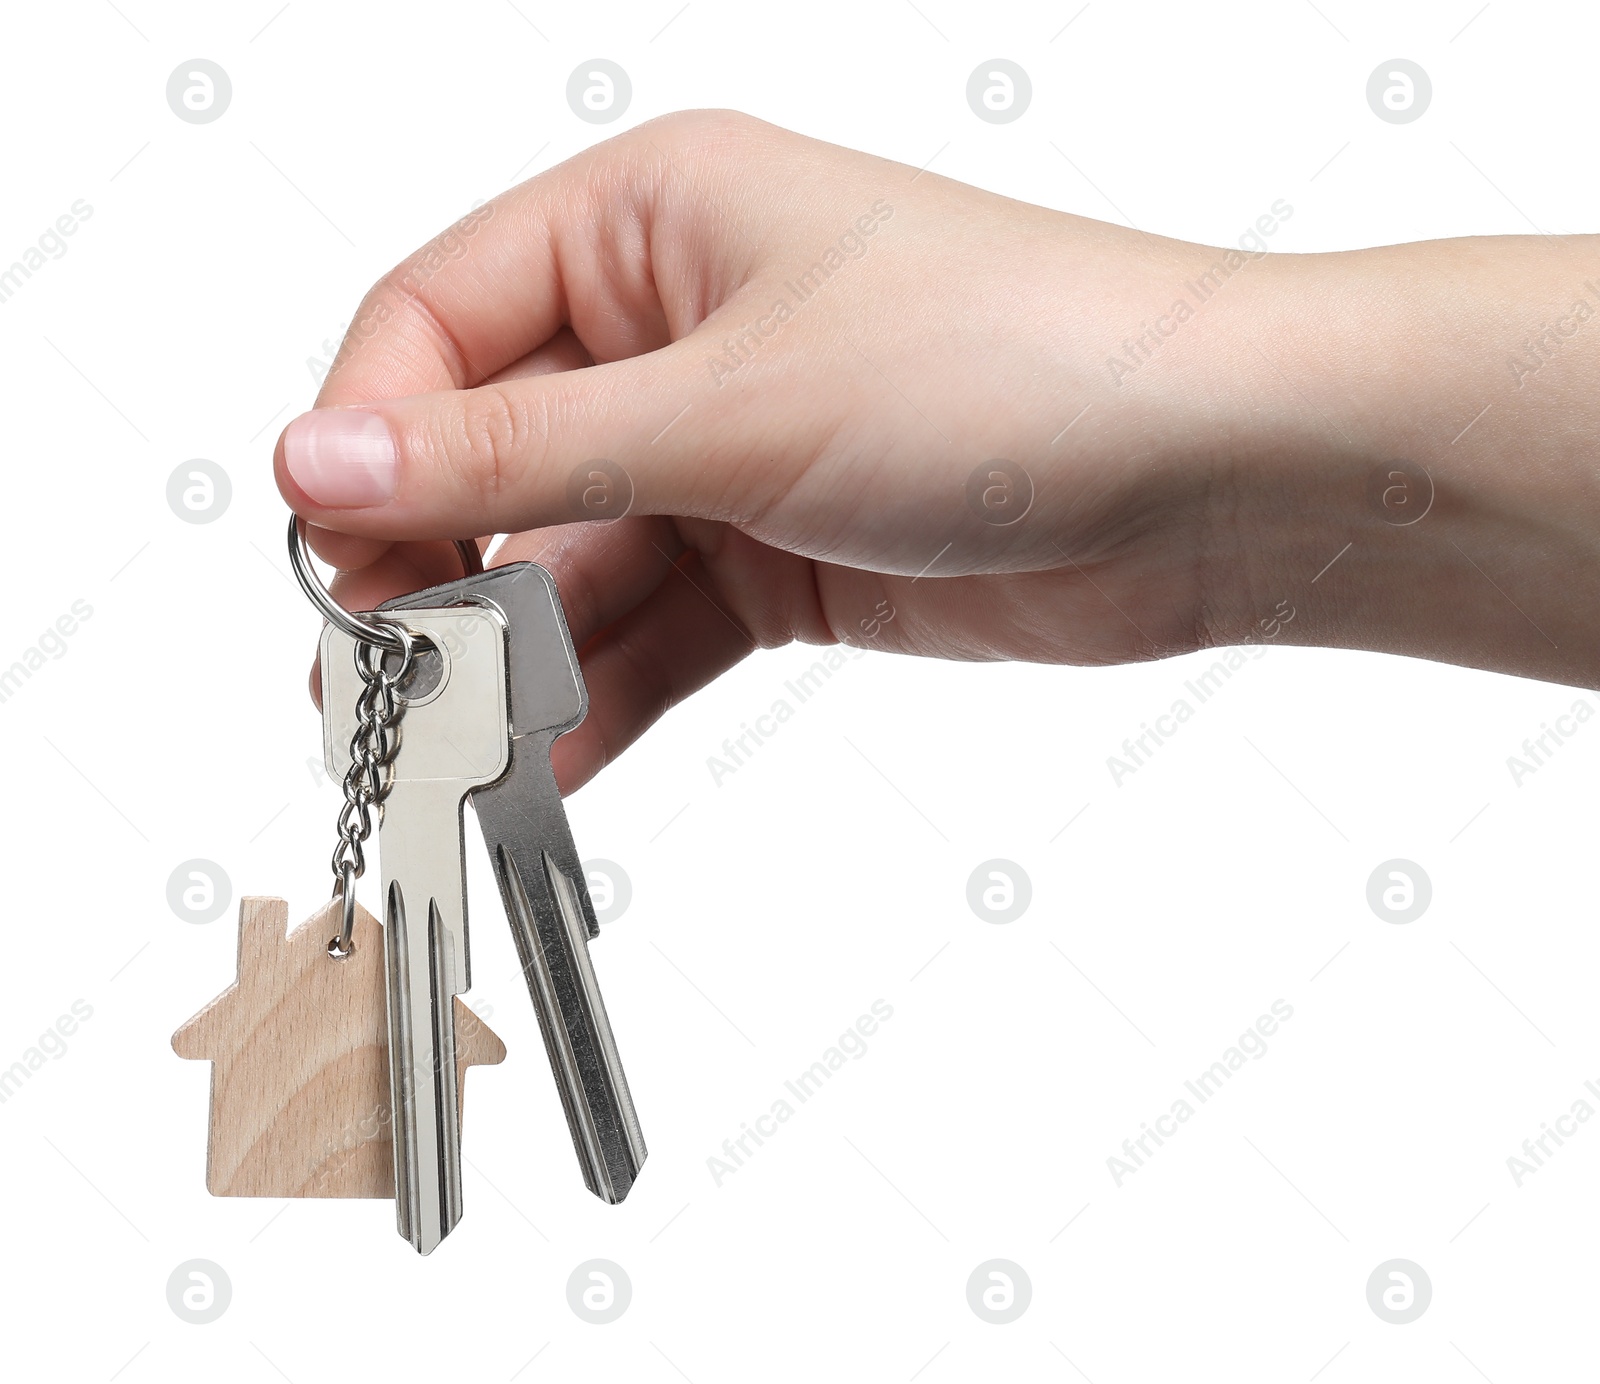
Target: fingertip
x,y
293,495
576,758
346,551
339,458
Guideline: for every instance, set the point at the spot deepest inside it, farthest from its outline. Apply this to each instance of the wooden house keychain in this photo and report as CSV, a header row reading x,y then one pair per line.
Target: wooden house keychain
x,y
340,1050
300,1088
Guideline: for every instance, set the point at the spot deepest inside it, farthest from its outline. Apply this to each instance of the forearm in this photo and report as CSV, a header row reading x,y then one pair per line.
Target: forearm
x,y
1355,380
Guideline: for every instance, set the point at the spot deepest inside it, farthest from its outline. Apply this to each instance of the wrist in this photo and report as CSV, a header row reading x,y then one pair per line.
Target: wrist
x,y
1412,464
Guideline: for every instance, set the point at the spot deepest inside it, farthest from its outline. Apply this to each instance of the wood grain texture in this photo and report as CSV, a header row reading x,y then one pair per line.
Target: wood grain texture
x,y
300,1043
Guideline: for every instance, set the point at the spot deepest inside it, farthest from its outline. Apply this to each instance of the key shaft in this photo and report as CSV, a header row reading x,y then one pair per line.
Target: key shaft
x,y
541,878
545,897
453,737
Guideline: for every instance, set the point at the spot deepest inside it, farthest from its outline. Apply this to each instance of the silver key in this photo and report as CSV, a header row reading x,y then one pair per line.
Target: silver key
x,y
542,881
453,738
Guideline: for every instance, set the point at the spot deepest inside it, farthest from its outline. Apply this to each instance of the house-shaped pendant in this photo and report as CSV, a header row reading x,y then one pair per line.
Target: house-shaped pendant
x,y
300,1043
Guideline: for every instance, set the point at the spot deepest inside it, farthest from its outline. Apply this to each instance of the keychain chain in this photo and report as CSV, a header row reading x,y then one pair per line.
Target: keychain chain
x,y
366,783
377,736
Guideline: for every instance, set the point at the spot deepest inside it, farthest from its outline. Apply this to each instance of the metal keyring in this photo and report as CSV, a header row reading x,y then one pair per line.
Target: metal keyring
x,y
368,631
341,946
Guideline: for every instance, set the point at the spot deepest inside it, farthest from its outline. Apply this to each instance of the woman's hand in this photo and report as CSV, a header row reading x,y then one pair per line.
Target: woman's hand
x,y
841,400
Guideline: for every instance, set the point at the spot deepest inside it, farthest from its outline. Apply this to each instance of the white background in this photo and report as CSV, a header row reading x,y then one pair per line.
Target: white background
x,y
768,912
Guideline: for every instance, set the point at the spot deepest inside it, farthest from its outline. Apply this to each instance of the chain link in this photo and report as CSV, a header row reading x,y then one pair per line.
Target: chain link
x,y
373,748
377,737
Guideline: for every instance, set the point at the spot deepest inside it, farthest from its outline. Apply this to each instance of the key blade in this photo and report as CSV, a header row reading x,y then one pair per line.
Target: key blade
x,y
453,737
422,1079
602,1100
432,865
540,876
547,902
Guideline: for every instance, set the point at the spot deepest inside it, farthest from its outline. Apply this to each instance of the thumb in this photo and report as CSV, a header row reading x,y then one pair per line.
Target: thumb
x,y
652,434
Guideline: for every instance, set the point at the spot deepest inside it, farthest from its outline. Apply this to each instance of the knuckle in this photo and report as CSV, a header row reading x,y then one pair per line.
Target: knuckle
x,y
580,597
389,287
498,435
379,306
652,688
388,298
729,124
699,133
701,121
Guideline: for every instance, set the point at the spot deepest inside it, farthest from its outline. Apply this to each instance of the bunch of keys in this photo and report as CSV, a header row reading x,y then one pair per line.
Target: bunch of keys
x,y
459,692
